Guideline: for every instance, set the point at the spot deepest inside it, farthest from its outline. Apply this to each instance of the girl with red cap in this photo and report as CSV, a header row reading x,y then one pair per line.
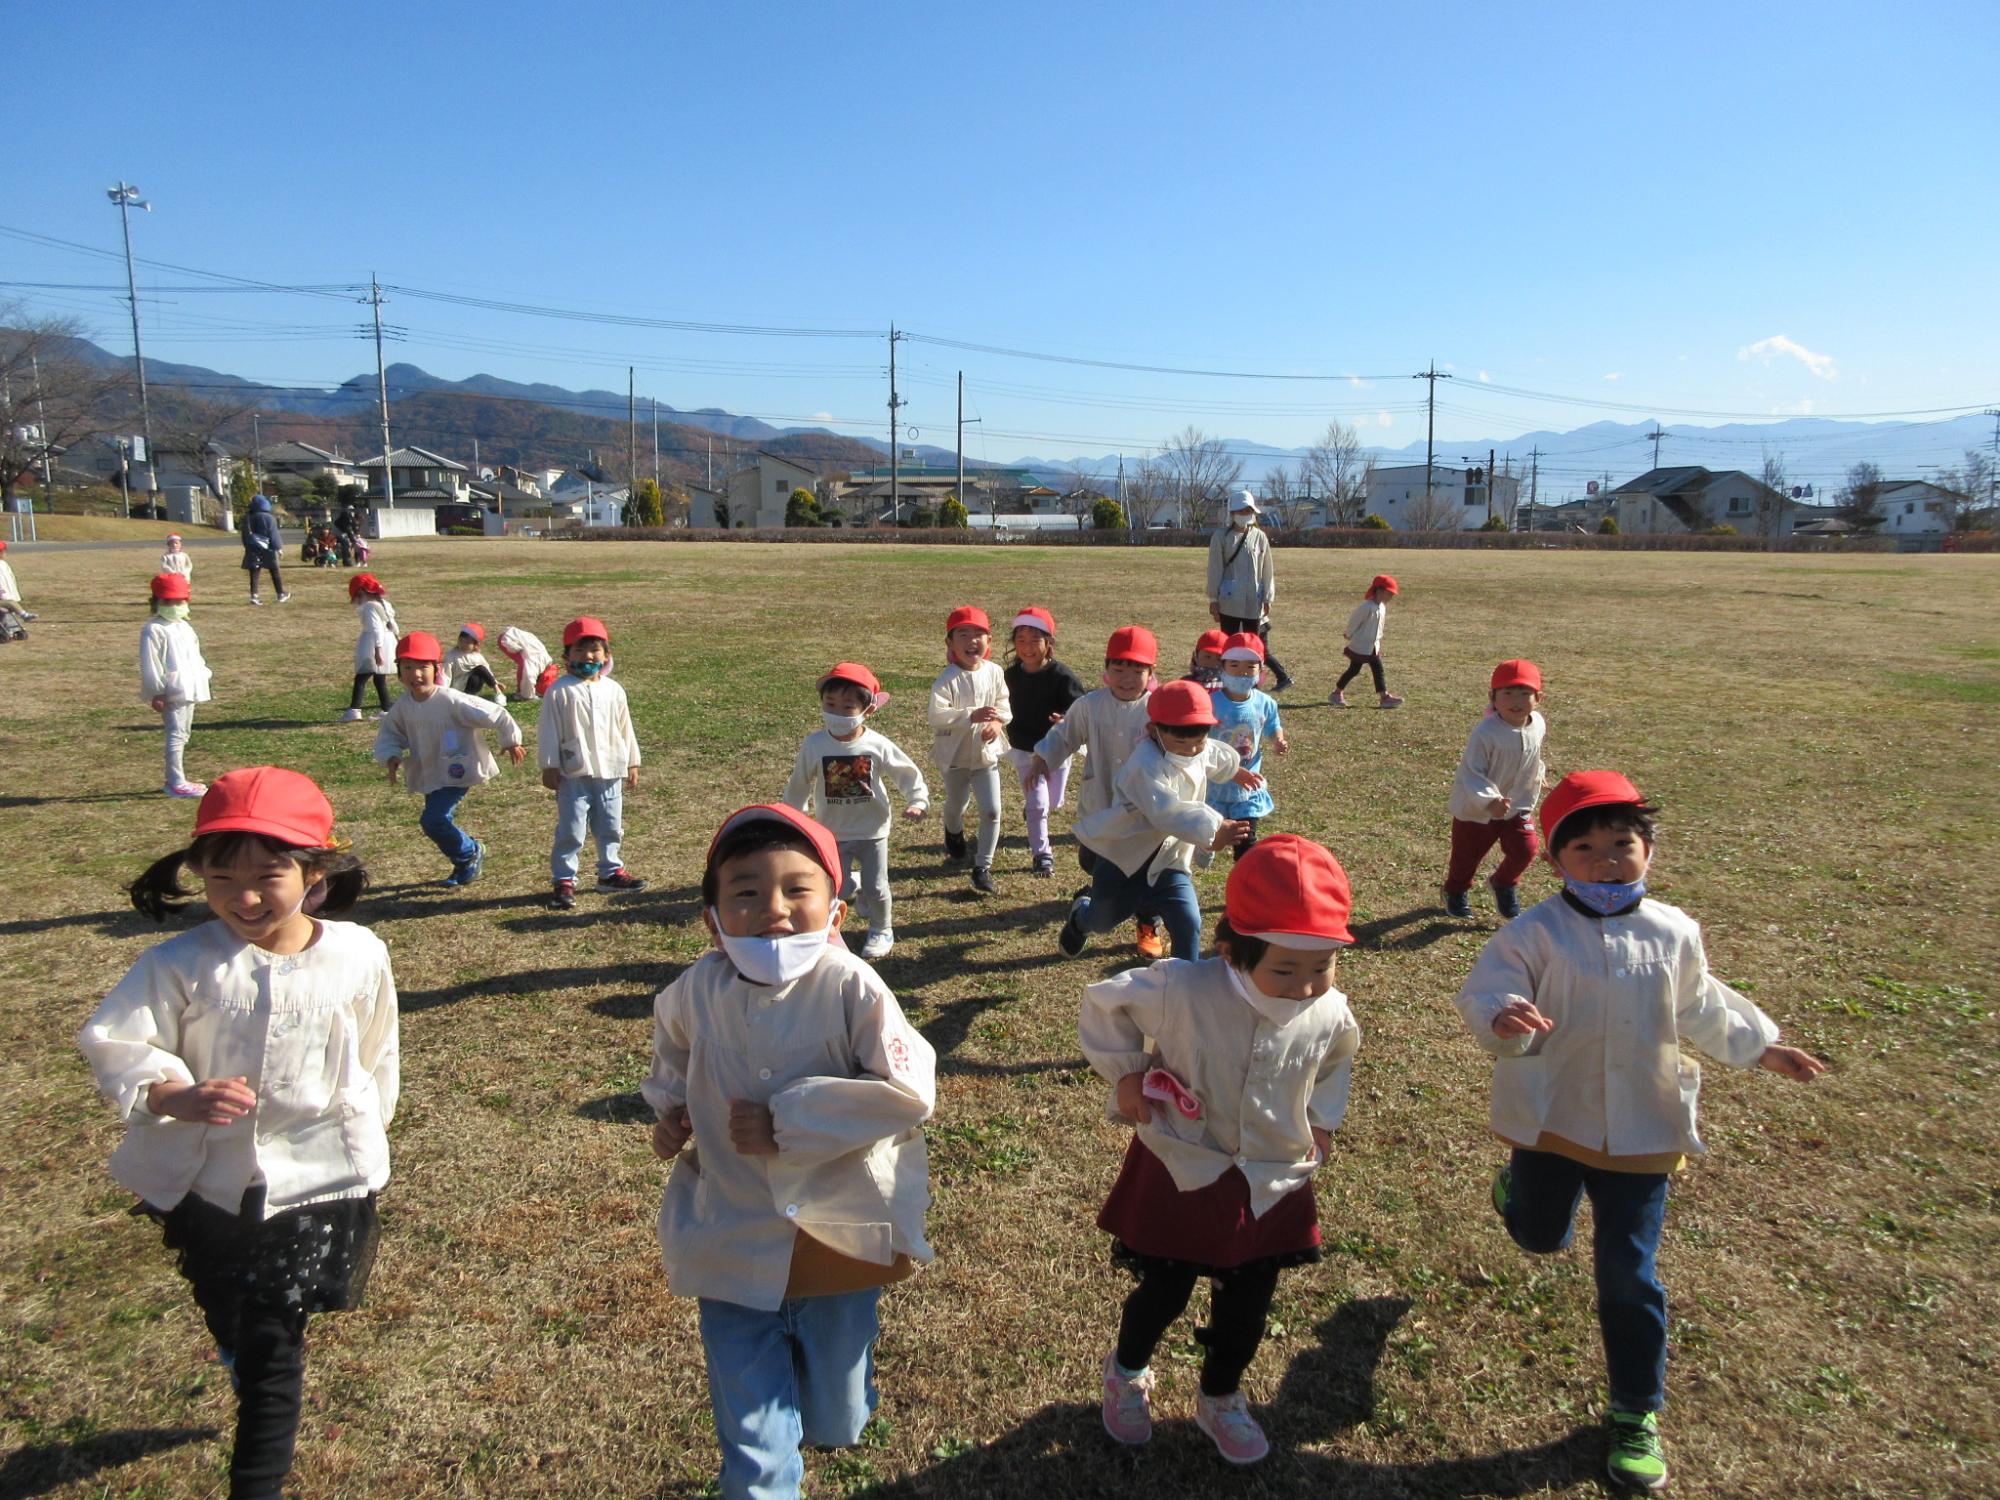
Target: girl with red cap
x,y
1493,796
969,714
1205,662
465,669
1364,642
173,678
1040,691
175,559
535,672
1584,1003
375,649
589,755
1234,1071
254,1062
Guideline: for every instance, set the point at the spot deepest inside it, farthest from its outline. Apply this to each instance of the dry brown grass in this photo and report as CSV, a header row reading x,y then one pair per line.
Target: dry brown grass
x,y
1819,731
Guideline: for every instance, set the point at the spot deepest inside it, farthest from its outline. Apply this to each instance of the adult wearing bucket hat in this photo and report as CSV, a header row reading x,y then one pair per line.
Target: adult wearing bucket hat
x,y
1242,585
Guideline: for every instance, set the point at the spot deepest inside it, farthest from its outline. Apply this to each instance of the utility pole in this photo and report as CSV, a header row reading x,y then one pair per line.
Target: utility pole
x,y
126,197
960,491
1489,484
708,481
374,300
631,434
1430,428
656,438
256,452
42,422
1534,484
1990,468
895,453
1654,437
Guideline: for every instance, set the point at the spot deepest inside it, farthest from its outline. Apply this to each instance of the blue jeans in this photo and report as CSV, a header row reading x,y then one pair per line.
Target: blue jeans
x,y
1115,898
440,824
1627,1211
805,1372
598,801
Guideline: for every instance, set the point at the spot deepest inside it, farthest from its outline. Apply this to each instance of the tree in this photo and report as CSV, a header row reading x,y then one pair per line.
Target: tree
x,y
1775,498
1083,485
1145,492
1861,497
242,486
675,505
1437,511
1285,500
48,397
1334,471
1107,515
1198,472
645,508
803,508
951,514
326,488
1968,489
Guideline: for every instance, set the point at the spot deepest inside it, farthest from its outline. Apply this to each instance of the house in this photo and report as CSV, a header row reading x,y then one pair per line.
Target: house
x,y
759,491
865,492
420,477
306,462
706,506
509,500
1585,514
99,458
1687,497
1457,499
1914,508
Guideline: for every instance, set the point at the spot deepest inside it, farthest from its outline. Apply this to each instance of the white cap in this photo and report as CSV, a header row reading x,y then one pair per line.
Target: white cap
x,y
1242,653
1244,500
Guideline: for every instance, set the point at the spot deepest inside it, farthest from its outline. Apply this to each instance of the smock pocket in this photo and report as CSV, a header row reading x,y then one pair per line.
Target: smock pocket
x,y
1520,1098
1690,1086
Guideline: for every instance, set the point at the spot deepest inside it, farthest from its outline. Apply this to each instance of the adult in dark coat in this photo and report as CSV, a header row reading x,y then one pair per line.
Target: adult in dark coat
x,y
261,546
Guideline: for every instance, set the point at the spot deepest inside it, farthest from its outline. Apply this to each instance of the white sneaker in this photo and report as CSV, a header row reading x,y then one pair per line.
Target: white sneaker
x,y
352,716
255,600
880,941
284,598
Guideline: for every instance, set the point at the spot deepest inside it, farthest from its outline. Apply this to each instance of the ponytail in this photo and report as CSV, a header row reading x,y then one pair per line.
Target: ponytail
x,y
336,875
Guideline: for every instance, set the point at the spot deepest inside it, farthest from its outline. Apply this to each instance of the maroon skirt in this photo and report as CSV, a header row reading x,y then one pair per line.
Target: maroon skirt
x,y
1210,1228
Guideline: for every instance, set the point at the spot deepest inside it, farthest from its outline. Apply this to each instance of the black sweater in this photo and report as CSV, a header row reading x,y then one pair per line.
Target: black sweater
x,y
1033,696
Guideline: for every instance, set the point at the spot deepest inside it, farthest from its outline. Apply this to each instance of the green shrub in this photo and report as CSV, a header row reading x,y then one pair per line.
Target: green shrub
x,y
1608,526
951,514
1495,523
1107,514
1373,522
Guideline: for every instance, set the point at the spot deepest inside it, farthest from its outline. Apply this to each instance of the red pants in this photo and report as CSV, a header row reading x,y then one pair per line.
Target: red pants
x,y
1469,842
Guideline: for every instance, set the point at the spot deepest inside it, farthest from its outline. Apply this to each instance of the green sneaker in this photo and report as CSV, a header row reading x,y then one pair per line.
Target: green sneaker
x,y
1636,1459
1503,1189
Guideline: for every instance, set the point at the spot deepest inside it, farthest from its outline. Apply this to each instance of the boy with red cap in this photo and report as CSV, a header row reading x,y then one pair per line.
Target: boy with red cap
x,y
1217,1180
788,1063
1364,642
1493,796
1584,1002
969,714
1040,692
465,669
375,649
1246,717
173,678
842,775
431,736
1159,818
589,754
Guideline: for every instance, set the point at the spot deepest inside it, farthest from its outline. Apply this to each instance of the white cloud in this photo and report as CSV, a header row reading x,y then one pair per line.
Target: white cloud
x,y
1383,419
822,416
1763,350
1794,408
1356,381
1614,374
1485,378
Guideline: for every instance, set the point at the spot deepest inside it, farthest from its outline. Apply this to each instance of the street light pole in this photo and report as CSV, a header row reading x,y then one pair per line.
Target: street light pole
x,y
125,196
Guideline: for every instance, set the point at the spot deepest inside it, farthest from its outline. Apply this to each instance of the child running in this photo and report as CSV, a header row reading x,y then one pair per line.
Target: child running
x,y
841,776
1217,1181
1364,643
1245,717
1584,1002
431,735
969,712
173,678
1205,664
1493,796
589,754
13,613
1040,690
465,669
254,1062
175,559
375,648
1147,839
789,1065
534,672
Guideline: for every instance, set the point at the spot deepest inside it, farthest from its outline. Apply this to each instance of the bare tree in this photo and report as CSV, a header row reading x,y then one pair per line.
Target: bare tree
x,y
1082,484
1968,488
1775,498
1285,500
1333,470
1198,471
48,397
1861,496
1147,489
1437,511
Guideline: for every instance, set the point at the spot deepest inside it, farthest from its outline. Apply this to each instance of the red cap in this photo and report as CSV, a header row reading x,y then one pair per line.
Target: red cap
x,y
1581,789
583,626
475,630
1212,640
363,583
852,672
171,586
826,848
1289,891
1181,705
967,614
3,545
1036,618
1384,581
173,536
1132,643
419,645
1517,673
270,800
1245,645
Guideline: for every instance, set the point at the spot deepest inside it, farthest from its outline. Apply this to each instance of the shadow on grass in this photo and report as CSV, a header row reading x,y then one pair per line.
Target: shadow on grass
x,y
531,981
40,1467
617,1109
66,798
210,726
118,922
1384,933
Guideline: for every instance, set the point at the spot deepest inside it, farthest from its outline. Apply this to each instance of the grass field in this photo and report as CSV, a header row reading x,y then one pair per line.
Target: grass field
x,y
1819,731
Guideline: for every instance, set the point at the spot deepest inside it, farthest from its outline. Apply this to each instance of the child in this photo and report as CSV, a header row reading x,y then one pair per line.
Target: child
x,y
1103,726
1040,690
589,755
375,649
1364,642
1146,840
13,614
534,673
435,732
969,711
841,774
1493,796
254,1062
1217,1181
788,1063
1245,717
1205,665
175,558
173,678
465,669
1584,1002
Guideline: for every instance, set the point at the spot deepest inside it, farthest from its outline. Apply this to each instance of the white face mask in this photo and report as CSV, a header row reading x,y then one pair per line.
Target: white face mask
x,y
1270,1007
1188,763
843,724
775,961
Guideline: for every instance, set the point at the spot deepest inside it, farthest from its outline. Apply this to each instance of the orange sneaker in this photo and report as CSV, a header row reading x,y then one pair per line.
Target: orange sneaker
x,y
1149,942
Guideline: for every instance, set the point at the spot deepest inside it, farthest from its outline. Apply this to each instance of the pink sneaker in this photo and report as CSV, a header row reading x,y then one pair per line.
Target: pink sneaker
x,y
1337,698
1390,700
187,789
1227,1420
1127,1415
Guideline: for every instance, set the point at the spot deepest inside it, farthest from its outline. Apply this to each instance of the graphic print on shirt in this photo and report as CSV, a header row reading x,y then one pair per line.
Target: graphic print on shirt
x,y
848,778
1242,738
456,749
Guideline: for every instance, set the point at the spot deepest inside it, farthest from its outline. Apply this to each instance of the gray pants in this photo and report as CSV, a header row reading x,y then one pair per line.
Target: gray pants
x,y
984,788
869,894
177,721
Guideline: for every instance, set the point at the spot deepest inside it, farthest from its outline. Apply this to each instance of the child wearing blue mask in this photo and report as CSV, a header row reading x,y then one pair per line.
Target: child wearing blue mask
x,y
589,755
841,777
1584,1002
789,1066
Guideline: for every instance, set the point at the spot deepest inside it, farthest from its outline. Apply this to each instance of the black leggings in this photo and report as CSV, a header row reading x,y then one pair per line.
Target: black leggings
x,y
1262,631
270,567
1237,1307
361,680
480,679
1354,666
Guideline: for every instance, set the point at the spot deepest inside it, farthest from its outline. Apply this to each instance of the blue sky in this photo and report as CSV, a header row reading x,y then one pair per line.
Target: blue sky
x,y
1698,208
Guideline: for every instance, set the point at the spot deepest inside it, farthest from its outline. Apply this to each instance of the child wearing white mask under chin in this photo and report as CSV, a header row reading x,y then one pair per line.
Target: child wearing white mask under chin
x,y
790,1067
841,777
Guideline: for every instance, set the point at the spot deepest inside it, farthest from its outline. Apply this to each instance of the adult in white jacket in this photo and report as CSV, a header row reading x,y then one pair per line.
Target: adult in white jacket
x,y
1242,581
173,678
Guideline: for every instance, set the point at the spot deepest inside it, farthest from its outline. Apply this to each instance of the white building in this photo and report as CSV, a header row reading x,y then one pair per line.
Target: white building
x,y
1913,508
1690,498
759,491
1457,499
